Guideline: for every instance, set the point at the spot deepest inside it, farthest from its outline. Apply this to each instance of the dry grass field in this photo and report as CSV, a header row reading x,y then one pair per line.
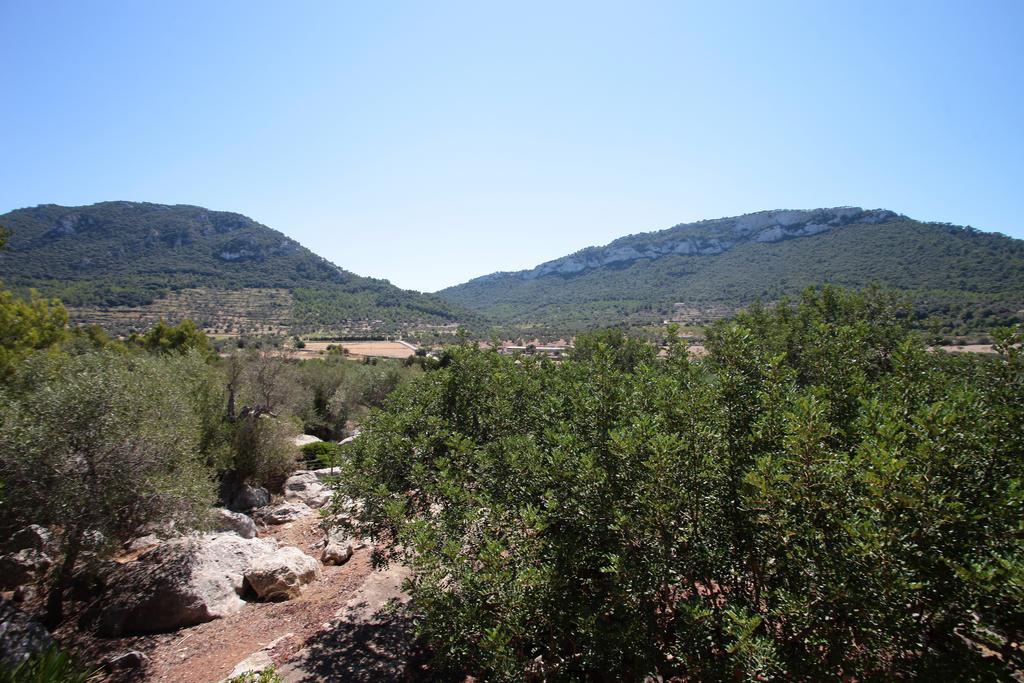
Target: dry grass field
x,y
379,349
358,349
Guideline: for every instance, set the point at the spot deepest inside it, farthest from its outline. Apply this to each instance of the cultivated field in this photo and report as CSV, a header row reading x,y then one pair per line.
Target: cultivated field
x,y
362,349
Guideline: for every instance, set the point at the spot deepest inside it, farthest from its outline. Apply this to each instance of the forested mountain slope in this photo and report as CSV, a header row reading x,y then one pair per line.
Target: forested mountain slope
x,y
966,278
126,254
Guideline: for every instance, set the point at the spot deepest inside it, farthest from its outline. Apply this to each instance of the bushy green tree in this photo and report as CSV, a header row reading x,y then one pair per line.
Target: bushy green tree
x,y
99,445
184,337
26,326
820,497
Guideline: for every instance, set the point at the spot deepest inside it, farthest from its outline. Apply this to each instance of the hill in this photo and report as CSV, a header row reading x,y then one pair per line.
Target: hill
x,y
125,263
960,279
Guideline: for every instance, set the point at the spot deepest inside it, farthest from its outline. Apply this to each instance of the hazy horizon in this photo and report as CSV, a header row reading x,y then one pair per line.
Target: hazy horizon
x,y
429,145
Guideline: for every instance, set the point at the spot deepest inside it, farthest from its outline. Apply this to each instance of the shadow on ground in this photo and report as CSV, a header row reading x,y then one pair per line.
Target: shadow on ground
x,y
381,649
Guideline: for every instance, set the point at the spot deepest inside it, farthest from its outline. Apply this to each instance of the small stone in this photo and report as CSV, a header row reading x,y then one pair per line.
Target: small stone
x,y
132,660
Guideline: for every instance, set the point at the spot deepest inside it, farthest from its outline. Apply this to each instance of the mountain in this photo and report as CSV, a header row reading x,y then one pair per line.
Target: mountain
x,y
124,264
966,279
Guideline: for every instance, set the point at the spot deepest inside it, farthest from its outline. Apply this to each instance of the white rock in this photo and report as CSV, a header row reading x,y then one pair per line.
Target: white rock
x,y
241,524
258,661
338,549
254,664
305,487
305,439
326,472
282,575
182,582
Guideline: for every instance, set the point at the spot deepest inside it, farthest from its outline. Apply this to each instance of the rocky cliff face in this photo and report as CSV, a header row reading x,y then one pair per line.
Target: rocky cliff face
x,y
707,238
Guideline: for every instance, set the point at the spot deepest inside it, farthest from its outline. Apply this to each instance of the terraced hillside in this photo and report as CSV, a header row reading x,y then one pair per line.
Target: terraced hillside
x,y
238,311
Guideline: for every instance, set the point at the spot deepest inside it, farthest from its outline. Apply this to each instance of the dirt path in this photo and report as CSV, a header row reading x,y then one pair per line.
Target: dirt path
x,y
208,652
369,639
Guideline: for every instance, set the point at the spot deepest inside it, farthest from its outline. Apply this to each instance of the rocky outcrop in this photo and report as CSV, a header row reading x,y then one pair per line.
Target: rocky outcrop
x,y
249,497
283,514
182,582
706,238
21,636
282,575
236,522
305,487
255,663
305,439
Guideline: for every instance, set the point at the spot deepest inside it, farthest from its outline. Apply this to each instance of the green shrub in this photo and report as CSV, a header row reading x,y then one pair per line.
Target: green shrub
x,y
51,666
819,498
268,675
324,453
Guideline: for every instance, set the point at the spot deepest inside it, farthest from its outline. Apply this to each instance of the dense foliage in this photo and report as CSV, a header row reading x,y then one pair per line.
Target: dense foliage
x,y
99,445
332,391
128,254
820,497
28,325
969,281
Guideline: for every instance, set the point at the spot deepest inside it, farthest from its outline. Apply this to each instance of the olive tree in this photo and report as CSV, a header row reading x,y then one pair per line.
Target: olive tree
x,y
100,445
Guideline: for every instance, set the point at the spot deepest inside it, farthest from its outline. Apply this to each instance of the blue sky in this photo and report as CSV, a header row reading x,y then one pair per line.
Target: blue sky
x,y
431,142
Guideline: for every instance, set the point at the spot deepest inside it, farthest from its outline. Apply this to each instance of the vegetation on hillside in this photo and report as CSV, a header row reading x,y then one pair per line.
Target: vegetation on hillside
x,y
819,498
130,254
959,280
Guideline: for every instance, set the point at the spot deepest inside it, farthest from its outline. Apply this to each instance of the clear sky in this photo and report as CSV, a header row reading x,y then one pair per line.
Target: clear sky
x,y
430,142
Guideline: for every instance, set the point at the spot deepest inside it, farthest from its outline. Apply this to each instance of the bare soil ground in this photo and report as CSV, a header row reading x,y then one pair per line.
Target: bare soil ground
x,y
208,652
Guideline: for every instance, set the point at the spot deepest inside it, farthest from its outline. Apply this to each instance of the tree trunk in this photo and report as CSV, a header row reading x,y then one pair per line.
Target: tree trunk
x,y
55,600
